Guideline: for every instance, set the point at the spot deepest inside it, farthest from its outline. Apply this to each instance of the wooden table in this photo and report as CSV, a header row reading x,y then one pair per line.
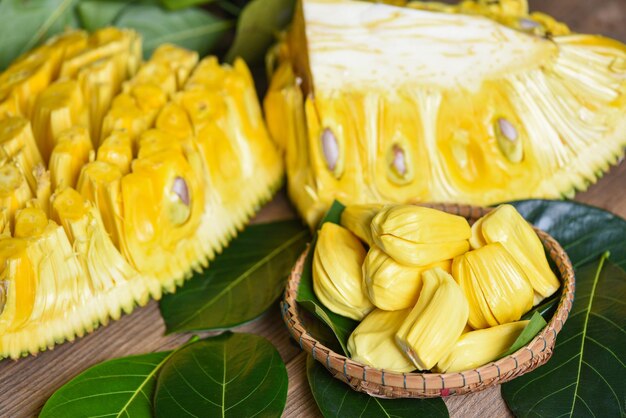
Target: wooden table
x,y
25,385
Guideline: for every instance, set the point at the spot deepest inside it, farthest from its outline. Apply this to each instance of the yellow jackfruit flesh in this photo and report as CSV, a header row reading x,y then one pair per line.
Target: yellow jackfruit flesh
x,y
113,184
390,285
337,275
477,348
419,236
436,322
495,285
373,341
477,103
358,220
506,226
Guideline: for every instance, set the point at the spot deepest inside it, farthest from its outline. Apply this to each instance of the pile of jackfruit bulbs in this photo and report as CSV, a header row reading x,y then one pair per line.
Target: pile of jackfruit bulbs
x,y
432,292
118,178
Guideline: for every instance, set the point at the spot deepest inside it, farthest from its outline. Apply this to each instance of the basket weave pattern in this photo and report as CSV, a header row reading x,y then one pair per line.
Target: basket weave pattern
x,y
387,384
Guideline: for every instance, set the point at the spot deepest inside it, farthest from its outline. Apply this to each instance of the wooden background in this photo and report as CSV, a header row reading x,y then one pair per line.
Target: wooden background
x,y
26,384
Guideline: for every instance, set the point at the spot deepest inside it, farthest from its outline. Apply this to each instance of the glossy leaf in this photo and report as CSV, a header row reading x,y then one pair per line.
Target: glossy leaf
x,y
585,232
241,283
190,28
258,28
120,387
25,24
231,375
536,324
96,14
585,376
341,326
181,4
336,399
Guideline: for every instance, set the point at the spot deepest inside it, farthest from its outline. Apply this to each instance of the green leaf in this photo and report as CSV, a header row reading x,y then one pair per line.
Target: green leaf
x,y
96,14
545,308
182,4
341,326
241,283
231,375
536,324
25,24
585,376
585,232
258,27
191,28
120,387
337,399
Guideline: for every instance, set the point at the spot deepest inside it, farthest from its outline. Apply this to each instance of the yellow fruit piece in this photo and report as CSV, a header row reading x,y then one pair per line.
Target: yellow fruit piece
x,y
14,190
373,341
337,275
117,149
58,108
358,220
69,156
492,104
419,236
477,348
495,285
18,143
436,322
506,226
392,286
181,61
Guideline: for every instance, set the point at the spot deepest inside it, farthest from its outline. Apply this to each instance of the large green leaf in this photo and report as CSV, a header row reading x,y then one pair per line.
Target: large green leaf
x,y
24,24
336,399
117,388
231,375
341,326
96,14
258,27
585,376
181,4
241,283
585,232
192,28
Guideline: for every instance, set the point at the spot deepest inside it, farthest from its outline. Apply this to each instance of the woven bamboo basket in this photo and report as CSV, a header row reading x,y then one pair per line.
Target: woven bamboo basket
x,y
387,384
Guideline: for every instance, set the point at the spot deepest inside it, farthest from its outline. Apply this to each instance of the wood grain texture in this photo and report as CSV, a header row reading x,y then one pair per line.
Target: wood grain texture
x,y
26,384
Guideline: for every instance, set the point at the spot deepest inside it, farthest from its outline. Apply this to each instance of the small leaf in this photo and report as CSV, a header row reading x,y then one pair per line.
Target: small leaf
x,y
25,24
231,375
536,324
585,376
341,326
258,27
182,4
120,387
585,232
241,283
191,28
96,14
337,399
546,308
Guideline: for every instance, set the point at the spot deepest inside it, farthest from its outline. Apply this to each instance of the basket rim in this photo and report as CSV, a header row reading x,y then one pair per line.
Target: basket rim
x,y
382,383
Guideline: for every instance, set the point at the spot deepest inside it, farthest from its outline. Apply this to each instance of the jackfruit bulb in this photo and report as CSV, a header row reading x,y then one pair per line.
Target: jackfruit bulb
x,y
118,178
479,103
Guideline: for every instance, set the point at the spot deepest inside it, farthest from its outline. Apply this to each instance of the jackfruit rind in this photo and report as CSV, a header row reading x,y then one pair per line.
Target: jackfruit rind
x,y
375,102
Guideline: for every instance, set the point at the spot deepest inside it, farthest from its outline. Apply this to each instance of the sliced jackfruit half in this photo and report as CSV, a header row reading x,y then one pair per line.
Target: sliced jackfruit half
x,y
481,102
118,179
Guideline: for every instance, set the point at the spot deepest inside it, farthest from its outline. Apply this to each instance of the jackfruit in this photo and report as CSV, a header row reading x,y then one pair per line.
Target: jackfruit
x,y
477,348
436,322
373,341
478,103
506,226
495,285
419,236
337,275
111,186
358,220
390,285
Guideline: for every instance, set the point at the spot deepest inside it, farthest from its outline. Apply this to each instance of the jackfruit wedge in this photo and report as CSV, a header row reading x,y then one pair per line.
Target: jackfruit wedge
x,y
118,179
477,103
